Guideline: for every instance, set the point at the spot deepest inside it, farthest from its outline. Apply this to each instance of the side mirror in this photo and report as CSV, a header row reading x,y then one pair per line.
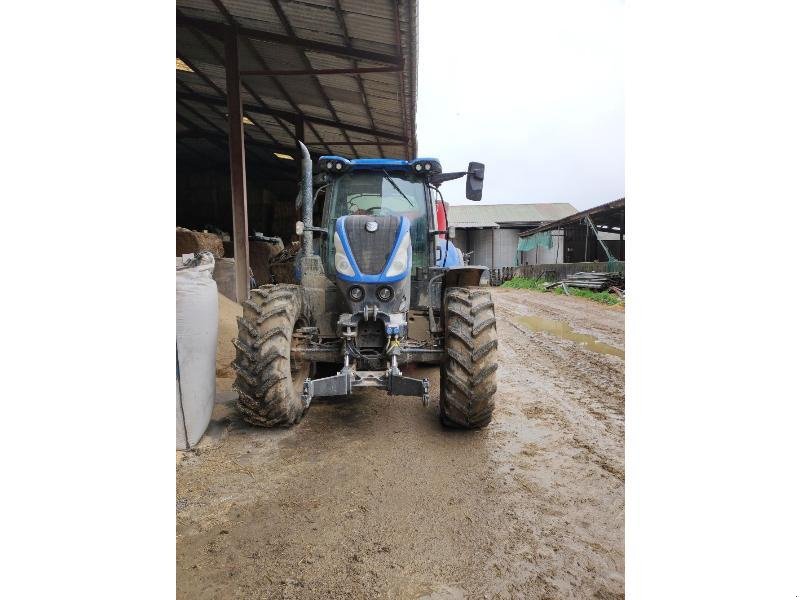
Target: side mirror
x,y
451,232
475,181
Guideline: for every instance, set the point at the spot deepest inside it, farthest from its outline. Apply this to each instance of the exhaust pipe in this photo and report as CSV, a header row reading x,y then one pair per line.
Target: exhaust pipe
x,y
307,199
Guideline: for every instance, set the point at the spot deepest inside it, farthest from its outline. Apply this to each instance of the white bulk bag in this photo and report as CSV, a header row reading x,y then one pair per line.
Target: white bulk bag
x,y
196,341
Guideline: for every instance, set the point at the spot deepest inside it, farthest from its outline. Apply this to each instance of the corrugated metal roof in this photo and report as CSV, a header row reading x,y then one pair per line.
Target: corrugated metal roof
x,y
509,213
472,224
304,35
610,212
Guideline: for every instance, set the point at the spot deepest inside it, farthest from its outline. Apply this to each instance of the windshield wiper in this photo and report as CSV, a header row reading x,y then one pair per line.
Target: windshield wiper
x,y
397,187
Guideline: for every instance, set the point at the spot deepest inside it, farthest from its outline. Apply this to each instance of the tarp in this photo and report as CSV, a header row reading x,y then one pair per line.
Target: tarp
x,y
537,240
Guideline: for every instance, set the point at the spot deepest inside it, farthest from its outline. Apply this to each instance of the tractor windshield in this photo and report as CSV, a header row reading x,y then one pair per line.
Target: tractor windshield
x,y
382,193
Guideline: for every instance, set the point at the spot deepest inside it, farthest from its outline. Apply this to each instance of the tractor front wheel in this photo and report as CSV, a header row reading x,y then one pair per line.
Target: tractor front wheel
x,y
467,385
268,381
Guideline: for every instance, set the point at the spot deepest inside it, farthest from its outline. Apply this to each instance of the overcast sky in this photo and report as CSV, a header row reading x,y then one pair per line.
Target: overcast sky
x,y
532,89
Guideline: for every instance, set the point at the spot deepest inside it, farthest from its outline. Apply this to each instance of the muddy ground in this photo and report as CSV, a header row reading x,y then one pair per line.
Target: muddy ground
x,y
370,498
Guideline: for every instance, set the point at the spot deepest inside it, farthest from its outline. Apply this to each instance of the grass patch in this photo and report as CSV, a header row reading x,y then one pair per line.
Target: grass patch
x,y
524,283
603,297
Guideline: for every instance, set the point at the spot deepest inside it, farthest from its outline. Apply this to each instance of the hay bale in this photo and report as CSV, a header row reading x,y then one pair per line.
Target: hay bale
x,y
190,242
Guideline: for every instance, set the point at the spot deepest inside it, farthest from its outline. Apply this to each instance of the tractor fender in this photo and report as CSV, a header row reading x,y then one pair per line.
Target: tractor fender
x,y
468,276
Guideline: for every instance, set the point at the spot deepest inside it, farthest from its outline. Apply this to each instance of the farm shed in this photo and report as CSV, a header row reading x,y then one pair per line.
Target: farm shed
x,y
490,231
251,78
586,236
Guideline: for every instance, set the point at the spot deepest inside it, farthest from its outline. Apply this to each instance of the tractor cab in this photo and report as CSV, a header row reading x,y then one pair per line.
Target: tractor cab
x,y
388,189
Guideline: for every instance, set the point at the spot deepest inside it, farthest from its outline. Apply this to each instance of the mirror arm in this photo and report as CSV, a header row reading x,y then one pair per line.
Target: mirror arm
x,y
440,178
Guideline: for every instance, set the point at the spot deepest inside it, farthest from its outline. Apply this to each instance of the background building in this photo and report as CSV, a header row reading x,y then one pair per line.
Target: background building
x,y
586,236
491,231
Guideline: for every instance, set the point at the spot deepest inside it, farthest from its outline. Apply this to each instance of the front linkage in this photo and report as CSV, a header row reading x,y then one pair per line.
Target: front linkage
x,y
391,379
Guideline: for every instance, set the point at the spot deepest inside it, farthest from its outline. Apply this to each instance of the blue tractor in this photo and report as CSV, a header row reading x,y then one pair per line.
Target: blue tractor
x,y
381,287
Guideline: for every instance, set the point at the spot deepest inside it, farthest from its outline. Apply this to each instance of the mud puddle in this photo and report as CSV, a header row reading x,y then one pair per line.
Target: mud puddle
x,y
563,330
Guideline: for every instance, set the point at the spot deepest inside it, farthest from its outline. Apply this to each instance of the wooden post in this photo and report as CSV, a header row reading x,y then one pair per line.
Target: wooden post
x,y
238,171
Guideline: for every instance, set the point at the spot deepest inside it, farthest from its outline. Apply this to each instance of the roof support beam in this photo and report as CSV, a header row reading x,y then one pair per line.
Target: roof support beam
x,y
276,6
198,133
337,7
345,143
290,116
260,59
224,117
412,74
221,30
199,116
398,41
348,71
577,218
238,173
216,88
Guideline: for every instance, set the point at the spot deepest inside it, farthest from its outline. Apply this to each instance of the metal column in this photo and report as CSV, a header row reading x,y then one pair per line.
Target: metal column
x,y
238,170
586,242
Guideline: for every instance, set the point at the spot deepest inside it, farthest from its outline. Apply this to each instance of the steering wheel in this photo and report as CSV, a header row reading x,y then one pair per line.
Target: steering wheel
x,y
368,211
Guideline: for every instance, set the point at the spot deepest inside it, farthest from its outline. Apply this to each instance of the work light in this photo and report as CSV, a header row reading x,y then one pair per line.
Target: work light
x,y
334,164
429,166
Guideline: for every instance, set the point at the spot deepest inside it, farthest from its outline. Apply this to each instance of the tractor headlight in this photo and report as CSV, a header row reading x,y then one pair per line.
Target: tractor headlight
x,y
402,258
384,293
343,265
356,293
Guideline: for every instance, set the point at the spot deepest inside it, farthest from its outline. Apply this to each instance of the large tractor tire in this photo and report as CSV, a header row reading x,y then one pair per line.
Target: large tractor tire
x,y
268,381
467,385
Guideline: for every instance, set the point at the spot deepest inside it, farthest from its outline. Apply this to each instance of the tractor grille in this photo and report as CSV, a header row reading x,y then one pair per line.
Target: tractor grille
x,y
371,249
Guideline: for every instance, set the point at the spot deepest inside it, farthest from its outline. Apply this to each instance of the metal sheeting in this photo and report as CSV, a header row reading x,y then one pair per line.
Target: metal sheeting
x,y
472,224
611,213
509,213
480,244
493,248
381,102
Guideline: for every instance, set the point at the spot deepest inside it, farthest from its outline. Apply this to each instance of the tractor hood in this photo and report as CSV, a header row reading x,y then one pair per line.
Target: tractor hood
x,y
373,261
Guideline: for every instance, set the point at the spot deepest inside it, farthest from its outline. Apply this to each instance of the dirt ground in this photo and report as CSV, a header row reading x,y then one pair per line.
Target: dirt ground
x,y
371,498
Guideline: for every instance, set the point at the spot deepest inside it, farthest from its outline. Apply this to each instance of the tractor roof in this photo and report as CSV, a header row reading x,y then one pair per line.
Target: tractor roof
x,y
376,164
